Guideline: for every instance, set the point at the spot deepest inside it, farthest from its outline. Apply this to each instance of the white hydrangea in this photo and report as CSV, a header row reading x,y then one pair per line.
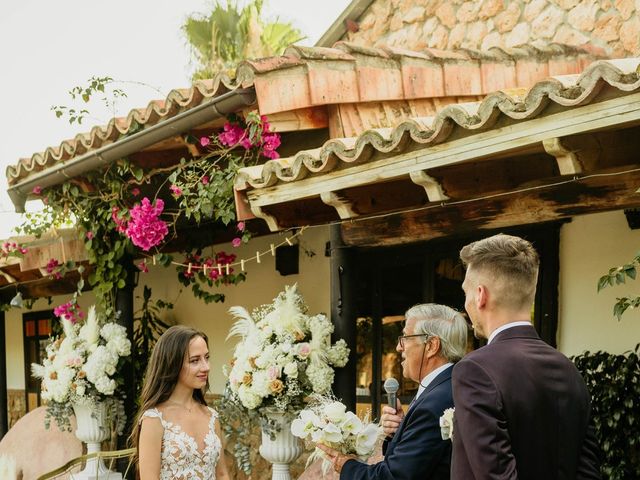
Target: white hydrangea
x,y
338,354
320,376
248,398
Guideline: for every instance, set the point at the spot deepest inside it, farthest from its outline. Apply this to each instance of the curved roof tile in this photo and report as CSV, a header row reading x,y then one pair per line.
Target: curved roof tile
x,y
517,104
179,100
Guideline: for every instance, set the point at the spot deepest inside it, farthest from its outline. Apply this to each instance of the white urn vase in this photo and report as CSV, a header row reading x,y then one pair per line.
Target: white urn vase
x,y
93,429
283,449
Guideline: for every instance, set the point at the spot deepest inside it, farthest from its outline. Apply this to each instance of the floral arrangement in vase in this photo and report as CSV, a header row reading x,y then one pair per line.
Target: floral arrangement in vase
x,y
284,354
83,365
327,421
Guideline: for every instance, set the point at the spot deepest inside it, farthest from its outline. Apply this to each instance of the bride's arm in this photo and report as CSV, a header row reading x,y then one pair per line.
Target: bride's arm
x,y
150,447
221,467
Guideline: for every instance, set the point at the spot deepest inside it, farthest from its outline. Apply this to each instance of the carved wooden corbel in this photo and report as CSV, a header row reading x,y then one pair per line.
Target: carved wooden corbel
x,y
343,206
272,222
574,155
434,189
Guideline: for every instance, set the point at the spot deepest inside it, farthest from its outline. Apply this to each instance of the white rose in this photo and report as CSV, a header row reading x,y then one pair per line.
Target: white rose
x,y
335,412
291,370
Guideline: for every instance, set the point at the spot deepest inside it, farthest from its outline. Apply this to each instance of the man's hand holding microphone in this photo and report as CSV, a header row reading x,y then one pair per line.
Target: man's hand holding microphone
x,y
392,414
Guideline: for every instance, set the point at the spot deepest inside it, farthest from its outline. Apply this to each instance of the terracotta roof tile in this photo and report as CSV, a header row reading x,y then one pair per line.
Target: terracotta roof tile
x,y
311,76
516,104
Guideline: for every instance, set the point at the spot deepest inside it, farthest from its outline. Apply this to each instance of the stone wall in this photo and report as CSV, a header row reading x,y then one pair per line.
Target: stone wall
x,y
609,26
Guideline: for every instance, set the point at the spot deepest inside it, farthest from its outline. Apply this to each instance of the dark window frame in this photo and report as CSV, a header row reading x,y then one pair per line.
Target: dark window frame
x,y
26,317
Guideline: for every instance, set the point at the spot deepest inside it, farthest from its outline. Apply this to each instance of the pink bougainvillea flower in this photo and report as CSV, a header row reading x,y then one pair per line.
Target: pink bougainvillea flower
x,y
53,268
135,191
270,142
231,135
120,222
145,229
143,267
68,311
177,191
205,180
204,141
37,190
89,235
236,242
240,226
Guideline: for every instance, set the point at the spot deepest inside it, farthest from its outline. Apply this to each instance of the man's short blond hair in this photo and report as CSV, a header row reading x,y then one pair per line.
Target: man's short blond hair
x,y
510,264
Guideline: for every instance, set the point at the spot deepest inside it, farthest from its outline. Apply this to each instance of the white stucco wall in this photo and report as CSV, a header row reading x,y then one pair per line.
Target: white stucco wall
x,y
589,246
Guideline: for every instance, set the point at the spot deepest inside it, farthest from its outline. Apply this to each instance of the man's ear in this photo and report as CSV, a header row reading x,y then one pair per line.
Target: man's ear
x,y
433,346
482,296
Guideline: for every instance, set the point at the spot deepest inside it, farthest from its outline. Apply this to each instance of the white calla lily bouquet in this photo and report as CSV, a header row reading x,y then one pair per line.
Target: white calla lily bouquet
x,y
83,365
284,355
328,422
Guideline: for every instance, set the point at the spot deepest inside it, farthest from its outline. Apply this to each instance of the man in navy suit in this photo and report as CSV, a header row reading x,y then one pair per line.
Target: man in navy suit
x,y
522,408
434,337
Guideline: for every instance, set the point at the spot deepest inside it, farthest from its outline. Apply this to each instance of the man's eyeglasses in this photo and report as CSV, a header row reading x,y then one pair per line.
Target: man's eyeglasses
x,y
402,337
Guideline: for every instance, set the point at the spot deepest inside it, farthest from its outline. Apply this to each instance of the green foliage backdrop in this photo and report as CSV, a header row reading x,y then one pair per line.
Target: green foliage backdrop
x,y
614,384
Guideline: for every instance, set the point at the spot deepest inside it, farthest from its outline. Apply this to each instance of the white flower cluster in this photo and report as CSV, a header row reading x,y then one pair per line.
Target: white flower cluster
x,y
83,362
284,355
328,422
446,424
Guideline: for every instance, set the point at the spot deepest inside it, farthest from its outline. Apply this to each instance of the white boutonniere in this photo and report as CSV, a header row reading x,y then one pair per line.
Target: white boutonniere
x,y
446,424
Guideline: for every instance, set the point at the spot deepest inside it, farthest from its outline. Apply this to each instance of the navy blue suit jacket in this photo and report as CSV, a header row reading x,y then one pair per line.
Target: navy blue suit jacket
x,y
417,450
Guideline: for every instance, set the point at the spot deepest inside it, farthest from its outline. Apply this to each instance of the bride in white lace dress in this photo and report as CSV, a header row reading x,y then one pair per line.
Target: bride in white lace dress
x,y
176,435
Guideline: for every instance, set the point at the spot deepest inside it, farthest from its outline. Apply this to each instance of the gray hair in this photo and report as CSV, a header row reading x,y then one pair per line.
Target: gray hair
x,y
442,322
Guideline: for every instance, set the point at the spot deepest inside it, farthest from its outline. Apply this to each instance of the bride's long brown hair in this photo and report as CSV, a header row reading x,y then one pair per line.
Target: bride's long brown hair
x,y
162,374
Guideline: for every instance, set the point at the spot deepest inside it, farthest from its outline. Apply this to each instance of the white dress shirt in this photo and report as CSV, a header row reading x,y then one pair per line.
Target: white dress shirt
x,y
506,327
429,378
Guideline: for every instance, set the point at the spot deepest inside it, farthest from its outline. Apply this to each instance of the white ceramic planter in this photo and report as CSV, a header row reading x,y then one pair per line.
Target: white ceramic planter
x,y
281,451
93,429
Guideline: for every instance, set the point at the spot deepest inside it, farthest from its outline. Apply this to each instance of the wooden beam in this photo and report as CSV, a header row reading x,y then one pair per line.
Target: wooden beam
x,y
619,111
310,118
588,195
576,154
343,206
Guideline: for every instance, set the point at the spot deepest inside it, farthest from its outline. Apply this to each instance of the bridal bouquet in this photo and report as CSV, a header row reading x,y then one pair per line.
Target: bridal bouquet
x,y
82,365
327,421
284,354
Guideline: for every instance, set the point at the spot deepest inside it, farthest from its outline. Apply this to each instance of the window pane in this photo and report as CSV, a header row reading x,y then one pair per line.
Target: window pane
x,y
30,328
44,327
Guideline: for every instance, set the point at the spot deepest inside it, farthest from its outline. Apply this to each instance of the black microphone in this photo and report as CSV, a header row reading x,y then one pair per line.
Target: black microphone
x,y
391,386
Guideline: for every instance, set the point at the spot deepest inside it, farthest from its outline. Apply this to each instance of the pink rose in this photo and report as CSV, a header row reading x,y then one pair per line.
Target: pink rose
x,y
236,242
304,349
240,226
177,191
204,141
37,190
205,180
135,191
89,235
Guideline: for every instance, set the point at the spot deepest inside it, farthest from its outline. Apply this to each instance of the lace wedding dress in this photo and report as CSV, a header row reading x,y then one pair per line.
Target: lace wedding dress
x,y
180,457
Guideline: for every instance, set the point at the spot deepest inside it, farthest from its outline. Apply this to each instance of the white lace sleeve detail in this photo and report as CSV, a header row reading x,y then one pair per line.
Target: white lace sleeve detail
x,y
152,413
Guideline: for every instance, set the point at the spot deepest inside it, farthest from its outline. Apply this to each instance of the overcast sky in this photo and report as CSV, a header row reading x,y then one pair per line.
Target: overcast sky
x,y
49,46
